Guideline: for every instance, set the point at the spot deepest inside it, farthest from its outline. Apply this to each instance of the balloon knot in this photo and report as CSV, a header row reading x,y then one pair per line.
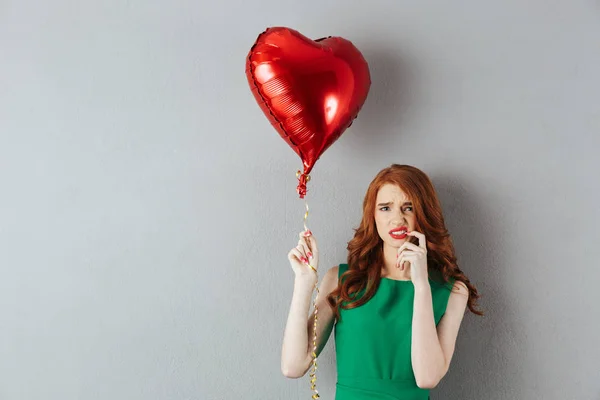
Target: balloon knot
x,y
303,179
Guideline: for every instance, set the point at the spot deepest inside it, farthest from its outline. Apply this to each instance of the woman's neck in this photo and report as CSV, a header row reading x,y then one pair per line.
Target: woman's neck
x,y
389,265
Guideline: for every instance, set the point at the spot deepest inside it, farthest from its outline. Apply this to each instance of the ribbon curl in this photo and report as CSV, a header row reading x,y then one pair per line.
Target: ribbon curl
x,y
303,179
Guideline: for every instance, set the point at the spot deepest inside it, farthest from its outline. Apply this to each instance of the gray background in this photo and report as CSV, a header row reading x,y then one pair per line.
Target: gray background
x,y
147,206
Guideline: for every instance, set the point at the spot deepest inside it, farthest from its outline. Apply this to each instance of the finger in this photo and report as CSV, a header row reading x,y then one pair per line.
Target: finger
x,y
405,263
400,264
302,251
421,237
404,250
305,249
305,237
312,245
306,233
399,261
302,255
405,259
309,240
411,247
410,257
295,255
411,253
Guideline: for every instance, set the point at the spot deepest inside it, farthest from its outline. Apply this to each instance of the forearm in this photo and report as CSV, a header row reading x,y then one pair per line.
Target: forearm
x,y
426,353
294,352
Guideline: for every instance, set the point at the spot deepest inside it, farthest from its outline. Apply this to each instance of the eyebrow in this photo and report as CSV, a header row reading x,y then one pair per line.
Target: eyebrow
x,y
408,203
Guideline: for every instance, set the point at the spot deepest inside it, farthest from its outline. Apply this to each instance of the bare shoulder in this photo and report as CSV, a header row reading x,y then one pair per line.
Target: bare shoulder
x,y
458,299
334,271
460,288
330,280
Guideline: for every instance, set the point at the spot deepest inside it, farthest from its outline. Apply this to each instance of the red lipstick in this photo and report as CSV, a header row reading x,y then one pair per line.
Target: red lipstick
x,y
399,233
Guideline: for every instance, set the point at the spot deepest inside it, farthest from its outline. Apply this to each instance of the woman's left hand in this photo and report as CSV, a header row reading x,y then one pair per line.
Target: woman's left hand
x,y
416,256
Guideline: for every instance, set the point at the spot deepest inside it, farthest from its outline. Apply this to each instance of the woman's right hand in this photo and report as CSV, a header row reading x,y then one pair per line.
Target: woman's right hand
x,y
305,253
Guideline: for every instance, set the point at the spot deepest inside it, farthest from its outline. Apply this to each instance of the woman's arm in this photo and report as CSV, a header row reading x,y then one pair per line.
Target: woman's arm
x,y
431,348
296,351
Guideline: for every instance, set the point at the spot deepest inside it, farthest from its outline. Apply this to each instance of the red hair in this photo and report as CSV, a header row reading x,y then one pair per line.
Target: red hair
x,y
365,250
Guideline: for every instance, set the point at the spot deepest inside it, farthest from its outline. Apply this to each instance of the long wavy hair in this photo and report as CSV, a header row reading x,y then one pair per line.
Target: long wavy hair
x,y
365,250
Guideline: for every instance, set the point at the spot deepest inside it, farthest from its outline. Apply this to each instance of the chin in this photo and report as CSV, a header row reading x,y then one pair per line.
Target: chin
x,y
397,242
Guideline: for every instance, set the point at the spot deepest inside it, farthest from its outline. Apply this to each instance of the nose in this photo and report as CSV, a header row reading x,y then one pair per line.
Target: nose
x,y
398,218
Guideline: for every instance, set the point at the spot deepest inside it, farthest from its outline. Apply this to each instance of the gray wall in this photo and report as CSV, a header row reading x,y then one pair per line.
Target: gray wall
x,y
147,206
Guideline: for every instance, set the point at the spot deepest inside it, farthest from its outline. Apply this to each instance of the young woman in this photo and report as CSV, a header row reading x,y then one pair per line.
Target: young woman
x,y
397,304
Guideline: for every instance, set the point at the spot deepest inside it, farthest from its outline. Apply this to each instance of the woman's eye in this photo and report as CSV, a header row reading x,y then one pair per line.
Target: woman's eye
x,y
408,208
382,208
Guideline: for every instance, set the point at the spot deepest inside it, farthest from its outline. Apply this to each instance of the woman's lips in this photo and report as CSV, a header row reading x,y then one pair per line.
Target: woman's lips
x,y
399,233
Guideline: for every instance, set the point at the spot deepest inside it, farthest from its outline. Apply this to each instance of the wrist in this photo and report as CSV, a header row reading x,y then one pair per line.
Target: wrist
x,y
422,286
305,281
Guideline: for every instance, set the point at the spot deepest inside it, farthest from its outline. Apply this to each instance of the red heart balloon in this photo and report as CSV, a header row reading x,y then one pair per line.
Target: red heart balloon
x,y
310,90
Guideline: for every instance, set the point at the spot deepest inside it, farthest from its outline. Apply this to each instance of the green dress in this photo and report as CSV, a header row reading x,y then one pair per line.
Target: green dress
x,y
373,342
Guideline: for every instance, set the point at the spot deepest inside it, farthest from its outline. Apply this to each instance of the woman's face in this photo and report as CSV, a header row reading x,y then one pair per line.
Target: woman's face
x,y
394,215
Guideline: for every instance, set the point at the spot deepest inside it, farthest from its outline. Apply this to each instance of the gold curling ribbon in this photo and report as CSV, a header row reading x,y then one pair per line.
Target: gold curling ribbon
x,y
313,373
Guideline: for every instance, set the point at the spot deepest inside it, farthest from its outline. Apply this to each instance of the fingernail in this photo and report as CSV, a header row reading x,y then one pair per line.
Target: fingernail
x,y
309,254
307,233
304,260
